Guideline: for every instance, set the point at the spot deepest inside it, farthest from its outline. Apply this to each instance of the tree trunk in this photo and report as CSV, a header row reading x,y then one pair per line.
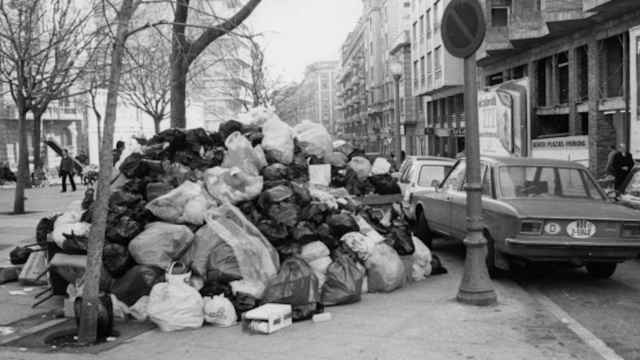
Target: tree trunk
x,y
156,123
87,331
178,91
37,141
23,161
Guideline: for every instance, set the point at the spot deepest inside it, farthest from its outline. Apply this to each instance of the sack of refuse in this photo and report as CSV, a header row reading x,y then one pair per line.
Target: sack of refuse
x,y
343,283
343,147
313,138
63,232
297,286
219,311
184,204
360,244
174,304
361,166
316,254
418,264
232,185
384,184
255,256
380,166
160,244
278,140
256,116
136,283
385,269
242,155
337,159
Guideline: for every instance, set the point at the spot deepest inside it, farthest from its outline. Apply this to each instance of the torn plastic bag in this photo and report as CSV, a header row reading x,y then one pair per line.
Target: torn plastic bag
x,y
136,283
278,140
343,284
313,138
380,166
116,259
297,285
275,171
341,224
256,257
185,204
241,154
360,244
385,269
361,166
418,265
160,244
232,185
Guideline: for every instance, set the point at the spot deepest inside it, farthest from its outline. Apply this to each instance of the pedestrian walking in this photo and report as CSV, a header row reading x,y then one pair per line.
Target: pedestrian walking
x,y
612,153
66,170
621,165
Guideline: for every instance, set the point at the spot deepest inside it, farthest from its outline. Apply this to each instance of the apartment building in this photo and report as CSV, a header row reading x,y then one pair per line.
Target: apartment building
x,y
317,94
577,60
378,136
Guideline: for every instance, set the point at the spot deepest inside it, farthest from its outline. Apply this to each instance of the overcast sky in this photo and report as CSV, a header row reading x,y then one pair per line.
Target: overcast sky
x,y
299,32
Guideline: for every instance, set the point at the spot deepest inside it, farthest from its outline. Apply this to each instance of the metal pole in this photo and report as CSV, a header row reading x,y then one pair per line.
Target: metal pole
x,y
397,146
476,287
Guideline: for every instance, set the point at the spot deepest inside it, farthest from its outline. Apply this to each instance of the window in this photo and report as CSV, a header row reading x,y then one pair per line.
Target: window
x,y
455,180
487,189
500,16
436,16
546,182
437,62
415,73
422,28
415,31
431,173
429,63
563,78
422,75
428,24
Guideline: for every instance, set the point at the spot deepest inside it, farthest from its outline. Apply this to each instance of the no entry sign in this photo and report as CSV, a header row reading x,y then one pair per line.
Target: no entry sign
x,y
463,27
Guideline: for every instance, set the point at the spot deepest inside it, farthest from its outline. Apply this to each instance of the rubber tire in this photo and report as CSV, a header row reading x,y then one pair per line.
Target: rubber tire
x,y
601,270
422,230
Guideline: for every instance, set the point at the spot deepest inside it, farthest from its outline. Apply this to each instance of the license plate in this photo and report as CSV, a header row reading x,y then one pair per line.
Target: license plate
x,y
581,229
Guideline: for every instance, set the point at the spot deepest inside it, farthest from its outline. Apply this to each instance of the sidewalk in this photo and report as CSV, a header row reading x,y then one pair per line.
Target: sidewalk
x,y
421,321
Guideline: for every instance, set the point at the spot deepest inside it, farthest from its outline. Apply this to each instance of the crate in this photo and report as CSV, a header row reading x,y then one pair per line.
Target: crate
x,y
268,317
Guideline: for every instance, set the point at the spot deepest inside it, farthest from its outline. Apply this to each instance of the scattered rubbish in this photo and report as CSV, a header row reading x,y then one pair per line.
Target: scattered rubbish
x,y
317,318
6,330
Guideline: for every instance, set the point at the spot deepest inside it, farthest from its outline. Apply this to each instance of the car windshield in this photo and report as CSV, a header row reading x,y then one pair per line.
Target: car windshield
x,y
633,187
547,182
429,173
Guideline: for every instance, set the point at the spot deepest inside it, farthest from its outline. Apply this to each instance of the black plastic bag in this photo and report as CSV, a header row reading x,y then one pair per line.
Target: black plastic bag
x,y
123,198
222,264
214,288
116,259
75,244
304,233
323,232
253,134
343,283
133,166
123,230
301,193
299,169
274,232
20,255
297,285
436,265
105,315
399,238
384,184
136,283
173,136
229,127
341,224
243,302
275,171
156,189
44,228
269,184
315,212
277,194
197,138
284,213
288,250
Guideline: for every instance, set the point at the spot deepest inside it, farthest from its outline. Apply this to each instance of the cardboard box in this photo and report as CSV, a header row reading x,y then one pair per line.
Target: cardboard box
x,y
267,318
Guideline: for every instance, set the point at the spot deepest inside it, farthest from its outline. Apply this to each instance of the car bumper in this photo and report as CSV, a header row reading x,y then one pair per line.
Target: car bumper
x,y
545,249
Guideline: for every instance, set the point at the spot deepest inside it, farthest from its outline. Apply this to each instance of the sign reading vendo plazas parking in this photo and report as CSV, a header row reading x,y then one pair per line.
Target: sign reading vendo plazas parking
x,y
573,148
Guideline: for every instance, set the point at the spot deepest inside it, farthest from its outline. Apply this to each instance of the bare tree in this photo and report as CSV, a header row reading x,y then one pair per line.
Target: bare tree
x,y
287,103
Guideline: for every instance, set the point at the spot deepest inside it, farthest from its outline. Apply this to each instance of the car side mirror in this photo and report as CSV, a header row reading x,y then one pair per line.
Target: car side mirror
x,y
435,183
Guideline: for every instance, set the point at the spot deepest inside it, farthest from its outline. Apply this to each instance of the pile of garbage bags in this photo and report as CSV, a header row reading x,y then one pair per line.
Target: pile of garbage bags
x,y
203,223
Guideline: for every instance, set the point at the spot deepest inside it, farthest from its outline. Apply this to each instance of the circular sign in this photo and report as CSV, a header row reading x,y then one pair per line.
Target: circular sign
x,y
463,27
581,229
552,228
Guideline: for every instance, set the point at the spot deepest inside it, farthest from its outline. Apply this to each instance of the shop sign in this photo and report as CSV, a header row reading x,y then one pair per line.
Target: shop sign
x,y
459,132
572,148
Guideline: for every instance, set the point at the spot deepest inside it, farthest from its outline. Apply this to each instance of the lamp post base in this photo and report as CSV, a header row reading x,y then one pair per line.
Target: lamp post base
x,y
475,288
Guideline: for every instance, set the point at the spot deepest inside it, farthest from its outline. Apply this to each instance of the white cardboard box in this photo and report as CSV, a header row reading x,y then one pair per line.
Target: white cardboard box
x,y
267,318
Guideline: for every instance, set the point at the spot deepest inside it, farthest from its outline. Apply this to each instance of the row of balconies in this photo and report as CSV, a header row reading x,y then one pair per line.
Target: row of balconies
x,y
53,112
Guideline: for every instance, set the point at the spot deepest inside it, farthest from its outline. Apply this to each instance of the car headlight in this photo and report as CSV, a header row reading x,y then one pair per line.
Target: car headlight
x,y
630,230
531,227
552,228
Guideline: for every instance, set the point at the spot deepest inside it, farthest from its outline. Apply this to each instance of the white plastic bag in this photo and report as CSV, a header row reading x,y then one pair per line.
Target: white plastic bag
x,y
367,230
385,269
343,147
232,185
174,305
418,264
337,159
219,311
250,287
361,166
241,154
313,138
278,140
320,174
256,116
319,267
160,244
79,229
314,250
380,166
360,244
185,204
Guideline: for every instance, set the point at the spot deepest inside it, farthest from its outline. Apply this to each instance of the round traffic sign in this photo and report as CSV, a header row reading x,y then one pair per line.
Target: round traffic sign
x,y
463,27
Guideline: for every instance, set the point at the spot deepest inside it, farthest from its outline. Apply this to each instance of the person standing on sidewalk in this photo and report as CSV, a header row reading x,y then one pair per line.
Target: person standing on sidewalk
x,y
621,165
66,170
612,153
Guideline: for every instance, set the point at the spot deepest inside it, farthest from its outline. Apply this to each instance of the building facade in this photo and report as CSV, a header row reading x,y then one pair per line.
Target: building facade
x,y
574,58
317,94
437,80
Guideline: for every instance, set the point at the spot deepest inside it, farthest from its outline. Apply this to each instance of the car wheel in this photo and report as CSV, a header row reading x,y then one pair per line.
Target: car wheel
x,y
422,229
601,270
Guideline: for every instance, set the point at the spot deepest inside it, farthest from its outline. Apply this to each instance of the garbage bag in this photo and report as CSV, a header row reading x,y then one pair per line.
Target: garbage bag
x,y
105,315
299,168
275,171
320,267
123,229
256,257
232,185
254,134
341,224
385,269
19,255
229,127
301,193
337,159
36,265
184,204
288,250
275,195
360,244
174,305
261,158
241,154
295,284
250,287
219,311
343,147
384,184
320,174
285,213
278,140
436,265
276,233
213,288
160,244
316,212
116,259
368,230
77,229
313,138
244,302
75,244
222,265
136,283
418,265
324,234
155,190
361,166
399,238
313,251
380,166
198,255
343,284
257,116
303,233
45,227
323,196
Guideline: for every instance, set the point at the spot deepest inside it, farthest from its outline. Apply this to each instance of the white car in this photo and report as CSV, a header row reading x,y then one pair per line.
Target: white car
x,y
421,173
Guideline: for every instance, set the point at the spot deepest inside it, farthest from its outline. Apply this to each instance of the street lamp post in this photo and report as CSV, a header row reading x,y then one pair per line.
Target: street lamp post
x,y
396,72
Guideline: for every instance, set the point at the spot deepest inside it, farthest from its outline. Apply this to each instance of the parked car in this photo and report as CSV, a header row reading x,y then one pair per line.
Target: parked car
x,y
535,210
630,196
421,173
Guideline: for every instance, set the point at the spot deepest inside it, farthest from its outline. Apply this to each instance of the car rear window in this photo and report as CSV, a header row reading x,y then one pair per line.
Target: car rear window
x,y
429,173
547,182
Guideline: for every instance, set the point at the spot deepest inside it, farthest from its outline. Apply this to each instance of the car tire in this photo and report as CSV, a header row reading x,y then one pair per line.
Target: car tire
x,y
422,230
601,270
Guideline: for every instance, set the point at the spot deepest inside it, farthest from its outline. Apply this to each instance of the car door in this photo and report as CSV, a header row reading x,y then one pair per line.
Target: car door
x,y
405,173
438,210
458,206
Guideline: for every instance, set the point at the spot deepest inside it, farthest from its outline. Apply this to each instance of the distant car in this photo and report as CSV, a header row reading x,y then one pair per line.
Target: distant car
x,y
535,210
421,173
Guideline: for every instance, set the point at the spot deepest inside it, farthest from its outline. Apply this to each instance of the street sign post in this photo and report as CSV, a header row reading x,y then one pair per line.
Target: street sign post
x,y
463,30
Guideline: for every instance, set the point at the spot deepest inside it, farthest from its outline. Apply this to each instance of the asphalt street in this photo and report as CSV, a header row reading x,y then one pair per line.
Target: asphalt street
x,y
609,309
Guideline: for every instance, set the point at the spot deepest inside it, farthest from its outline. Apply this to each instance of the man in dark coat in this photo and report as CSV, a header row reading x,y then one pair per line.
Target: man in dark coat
x,y
66,170
621,165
